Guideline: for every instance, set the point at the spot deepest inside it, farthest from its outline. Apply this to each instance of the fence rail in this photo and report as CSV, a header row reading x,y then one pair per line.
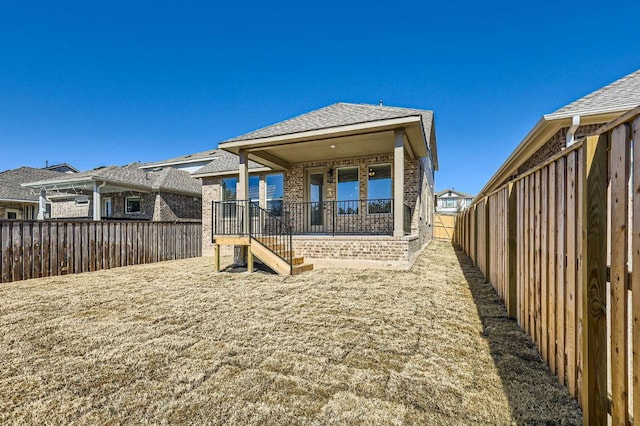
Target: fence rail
x,y
32,249
545,241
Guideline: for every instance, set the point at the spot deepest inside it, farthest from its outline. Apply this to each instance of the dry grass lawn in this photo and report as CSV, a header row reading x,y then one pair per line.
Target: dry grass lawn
x,y
176,343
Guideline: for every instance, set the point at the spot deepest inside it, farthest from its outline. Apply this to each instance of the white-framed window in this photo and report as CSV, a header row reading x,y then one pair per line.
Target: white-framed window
x,y
107,207
82,201
348,190
132,205
379,188
12,214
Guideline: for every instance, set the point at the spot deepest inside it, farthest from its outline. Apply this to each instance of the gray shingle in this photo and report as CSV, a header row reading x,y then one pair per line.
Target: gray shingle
x,y
131,175
621,95
336,115
188,157
11,180
225,162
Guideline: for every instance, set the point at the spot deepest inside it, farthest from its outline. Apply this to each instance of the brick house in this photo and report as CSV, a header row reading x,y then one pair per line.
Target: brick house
x,y
18,202
559,129
121,192
351,183
452,201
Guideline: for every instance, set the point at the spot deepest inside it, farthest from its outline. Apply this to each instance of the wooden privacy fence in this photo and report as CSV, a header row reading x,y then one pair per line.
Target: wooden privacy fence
x,y
559,244
32,249
443,226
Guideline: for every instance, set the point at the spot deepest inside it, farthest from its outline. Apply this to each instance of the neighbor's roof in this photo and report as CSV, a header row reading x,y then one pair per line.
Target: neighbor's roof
x,y
621,95
189,158
461,194
225,163
11,180
166,179
336,115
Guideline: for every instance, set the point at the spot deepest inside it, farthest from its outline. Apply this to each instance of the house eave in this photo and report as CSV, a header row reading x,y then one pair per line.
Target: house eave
x,y
534,140
233,172
174,163
351,129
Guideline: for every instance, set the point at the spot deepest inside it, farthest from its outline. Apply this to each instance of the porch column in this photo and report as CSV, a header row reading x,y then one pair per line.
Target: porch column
x,y
96,202
243,187
398,183
42,204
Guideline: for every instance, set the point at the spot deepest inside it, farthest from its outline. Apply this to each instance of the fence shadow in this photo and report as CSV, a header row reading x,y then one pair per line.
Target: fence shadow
x,y
535,396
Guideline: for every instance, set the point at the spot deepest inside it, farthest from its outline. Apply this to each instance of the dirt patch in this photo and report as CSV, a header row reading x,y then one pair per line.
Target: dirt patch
x,y
175,342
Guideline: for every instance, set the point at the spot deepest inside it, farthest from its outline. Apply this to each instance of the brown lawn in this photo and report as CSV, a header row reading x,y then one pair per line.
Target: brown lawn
x,y
176,343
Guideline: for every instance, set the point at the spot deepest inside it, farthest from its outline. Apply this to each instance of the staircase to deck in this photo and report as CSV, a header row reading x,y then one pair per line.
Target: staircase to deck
x,y
267,237
276,257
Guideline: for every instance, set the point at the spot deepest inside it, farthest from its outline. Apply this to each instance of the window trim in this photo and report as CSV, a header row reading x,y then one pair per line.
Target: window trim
x,y
126,204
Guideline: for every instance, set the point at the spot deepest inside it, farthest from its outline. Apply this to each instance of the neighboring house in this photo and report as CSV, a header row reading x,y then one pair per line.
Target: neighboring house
x,y
16,201
127,192
561,128
354,182
452,201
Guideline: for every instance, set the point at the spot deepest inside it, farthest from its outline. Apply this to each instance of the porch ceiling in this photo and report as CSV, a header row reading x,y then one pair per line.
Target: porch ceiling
x,y
374,139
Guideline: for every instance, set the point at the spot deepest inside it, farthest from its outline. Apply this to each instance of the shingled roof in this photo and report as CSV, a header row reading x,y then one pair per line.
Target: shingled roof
x,y
621,95
225,162
165,179
11,183
336,115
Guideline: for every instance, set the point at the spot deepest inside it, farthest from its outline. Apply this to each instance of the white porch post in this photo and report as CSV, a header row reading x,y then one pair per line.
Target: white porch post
x,y
42,203
96,201
398,183
243,187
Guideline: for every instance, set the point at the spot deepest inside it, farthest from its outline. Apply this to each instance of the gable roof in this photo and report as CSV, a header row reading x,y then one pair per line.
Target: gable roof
x,y
62,167
447,191
336,115
11,183
184,159
621,95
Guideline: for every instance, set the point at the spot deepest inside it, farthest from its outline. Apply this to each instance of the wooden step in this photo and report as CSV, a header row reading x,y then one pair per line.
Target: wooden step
x,y
299,260
298,269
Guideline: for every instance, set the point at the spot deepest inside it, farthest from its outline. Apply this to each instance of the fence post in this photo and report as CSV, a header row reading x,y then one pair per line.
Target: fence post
x,y
594,234
512,258
487,240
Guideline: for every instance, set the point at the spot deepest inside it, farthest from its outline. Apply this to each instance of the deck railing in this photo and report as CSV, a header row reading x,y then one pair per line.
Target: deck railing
x,y
368,217
247,218
561,246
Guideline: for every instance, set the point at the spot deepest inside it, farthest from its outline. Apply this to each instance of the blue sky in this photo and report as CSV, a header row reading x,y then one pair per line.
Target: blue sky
x,y
99,83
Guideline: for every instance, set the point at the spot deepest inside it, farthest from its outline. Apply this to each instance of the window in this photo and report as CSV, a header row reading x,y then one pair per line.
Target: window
x,y
348,190
228,187
275,193
12,214
379,188
133,205
82,201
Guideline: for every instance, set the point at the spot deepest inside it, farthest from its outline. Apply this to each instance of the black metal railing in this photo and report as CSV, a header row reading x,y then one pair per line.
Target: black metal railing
x,y
363,217
354,217
230,217
271,232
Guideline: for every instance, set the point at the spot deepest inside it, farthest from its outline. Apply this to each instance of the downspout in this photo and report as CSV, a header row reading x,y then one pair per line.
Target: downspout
x,y
572,131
